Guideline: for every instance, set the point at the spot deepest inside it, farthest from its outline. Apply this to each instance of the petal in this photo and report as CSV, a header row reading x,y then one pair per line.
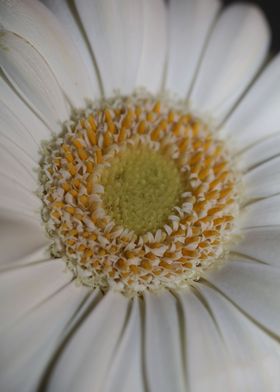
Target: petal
x,y
263,180
262,213
88,354
189,26
117,33
22,232
237,48
260,244
22,289
254,288
68,18
39,27
154,49
125,373
207,362
255,355
32,78
258,115
259,152
163,353
37,130
114,31
26,348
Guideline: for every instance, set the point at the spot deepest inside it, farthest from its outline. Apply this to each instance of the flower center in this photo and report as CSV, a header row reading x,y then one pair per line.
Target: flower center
x,y
141,188
138,194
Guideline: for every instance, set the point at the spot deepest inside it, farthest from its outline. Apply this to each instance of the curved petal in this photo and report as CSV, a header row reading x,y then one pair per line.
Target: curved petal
x,y
66,14
163,352
22,289
31,76
39,27
88,355
207,362
255,355
263,180
189,26
237,48
27,235
260,244
257,116
20,112
260,152
262,213
254,287
27,347
151,68
126,373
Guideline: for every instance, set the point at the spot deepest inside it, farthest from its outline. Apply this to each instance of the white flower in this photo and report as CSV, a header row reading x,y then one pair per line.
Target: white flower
x,y
222,331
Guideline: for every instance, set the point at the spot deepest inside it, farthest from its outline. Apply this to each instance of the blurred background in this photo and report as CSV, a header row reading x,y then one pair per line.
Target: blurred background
x,y
271,9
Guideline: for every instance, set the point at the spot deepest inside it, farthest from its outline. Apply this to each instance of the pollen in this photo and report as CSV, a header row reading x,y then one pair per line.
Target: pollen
x,y
139,194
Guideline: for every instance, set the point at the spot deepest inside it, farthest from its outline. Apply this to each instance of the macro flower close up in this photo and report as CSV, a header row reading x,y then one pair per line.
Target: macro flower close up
x,y
139,199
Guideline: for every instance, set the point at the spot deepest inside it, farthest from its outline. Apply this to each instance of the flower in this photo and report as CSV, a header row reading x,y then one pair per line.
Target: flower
x,y
139,197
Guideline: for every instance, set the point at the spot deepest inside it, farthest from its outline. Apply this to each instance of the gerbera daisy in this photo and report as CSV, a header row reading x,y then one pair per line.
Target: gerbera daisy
x,y
139,204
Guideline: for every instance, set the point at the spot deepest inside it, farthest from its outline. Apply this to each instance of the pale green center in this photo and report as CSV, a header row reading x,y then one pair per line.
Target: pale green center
x,y
141,188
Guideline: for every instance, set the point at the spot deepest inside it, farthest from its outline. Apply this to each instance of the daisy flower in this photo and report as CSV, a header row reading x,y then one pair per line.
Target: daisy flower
x,y
139,203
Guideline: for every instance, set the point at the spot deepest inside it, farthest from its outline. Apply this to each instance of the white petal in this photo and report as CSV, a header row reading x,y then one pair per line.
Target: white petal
x,y
37,25
31,123
261,244
31,76
262,213
88,355
115,32
189,26
22,289
151,68
163,351
207,362
263,180
13,130
255,355
254,288
236,50
126,373
69,20
260,152
27,347
19,237
258,115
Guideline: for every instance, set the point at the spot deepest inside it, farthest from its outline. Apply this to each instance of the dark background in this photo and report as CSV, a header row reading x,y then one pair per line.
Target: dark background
x,y
271,9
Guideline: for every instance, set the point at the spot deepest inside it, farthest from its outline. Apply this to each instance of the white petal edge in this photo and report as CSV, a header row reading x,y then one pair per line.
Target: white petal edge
x,y
257,116
126,370
22,289
163,352
68,19
207,361
236,50
26,348
263,180
189,25
29,121
19,237
254,287
32,78
154,51
262,213
88,355
40,28
255,355
260,244
115,32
